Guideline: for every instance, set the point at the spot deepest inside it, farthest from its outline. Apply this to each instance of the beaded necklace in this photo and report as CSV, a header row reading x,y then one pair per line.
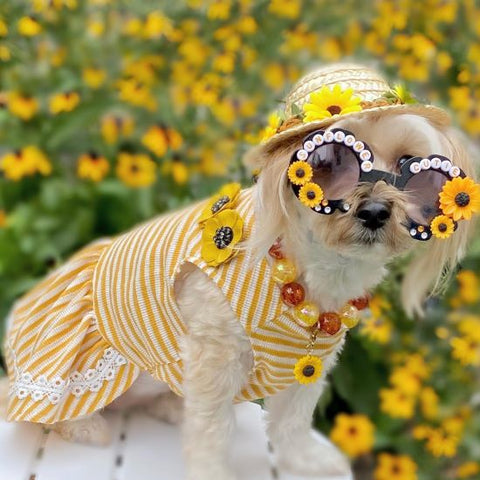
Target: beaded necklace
x,y
307,314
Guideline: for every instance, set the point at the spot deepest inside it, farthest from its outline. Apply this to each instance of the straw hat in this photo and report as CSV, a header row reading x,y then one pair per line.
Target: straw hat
x,y
370,93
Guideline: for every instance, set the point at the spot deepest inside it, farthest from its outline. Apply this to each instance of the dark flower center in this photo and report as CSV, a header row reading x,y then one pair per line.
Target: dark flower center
x,y
442,227
308,370
220,203
134,168
334,109
223,237
311,195
300,173
462,199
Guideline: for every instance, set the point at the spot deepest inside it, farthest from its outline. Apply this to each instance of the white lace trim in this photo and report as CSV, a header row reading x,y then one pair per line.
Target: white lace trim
x,y
77,383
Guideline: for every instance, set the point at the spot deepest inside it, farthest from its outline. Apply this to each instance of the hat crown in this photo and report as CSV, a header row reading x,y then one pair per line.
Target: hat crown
x,y
365,82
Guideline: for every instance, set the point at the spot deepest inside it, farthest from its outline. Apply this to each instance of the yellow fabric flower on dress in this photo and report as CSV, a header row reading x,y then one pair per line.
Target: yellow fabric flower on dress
x,y
23,106
225,198
136,170
460,198
220,235
64,102
310,194
92,167
300,172
354,434
327,102
395,467
308,369
442,226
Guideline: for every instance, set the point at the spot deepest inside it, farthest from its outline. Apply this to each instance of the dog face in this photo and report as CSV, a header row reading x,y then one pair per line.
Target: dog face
x,y
376,224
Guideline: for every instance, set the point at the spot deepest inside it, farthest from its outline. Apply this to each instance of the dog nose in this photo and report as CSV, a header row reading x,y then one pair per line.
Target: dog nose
x,y
373,214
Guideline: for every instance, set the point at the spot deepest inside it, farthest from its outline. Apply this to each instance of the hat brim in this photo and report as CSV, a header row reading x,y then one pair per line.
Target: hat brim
x,y
436,116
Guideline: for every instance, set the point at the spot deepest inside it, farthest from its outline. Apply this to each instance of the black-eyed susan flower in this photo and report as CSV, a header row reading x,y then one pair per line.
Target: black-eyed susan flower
x,y
136,170
25,162
94,77
272,126
5,54
221,234
395,467
354,434
310,194
136,93
159,139
224,199
327,102
22,106
92,166
300,172
460,198
114,126
64,102
157,25
308,369
3,28
28,26
396,403
178,170
442,226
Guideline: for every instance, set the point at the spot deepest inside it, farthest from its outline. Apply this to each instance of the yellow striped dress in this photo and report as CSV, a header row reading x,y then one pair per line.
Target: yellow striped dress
x,y
81,337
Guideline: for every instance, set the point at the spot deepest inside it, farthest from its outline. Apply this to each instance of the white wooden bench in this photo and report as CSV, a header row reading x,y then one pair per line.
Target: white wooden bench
x,y
143,449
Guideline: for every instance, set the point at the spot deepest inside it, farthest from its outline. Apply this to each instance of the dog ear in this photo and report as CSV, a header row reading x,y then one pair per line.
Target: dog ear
x,y
431,268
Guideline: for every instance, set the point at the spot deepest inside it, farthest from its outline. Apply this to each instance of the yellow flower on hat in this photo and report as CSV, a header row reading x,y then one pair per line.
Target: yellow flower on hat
x,y
460,198
225,198
442,226
308,369
271,129
220,235
326,102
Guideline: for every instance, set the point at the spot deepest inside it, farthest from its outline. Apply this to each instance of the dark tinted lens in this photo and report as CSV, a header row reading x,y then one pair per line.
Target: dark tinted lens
x,y
423,190
335,169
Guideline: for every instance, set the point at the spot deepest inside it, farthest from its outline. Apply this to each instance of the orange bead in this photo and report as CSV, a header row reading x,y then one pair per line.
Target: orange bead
x,y
275,251
349,316
293,294
361,303
284,271
306,314
329,322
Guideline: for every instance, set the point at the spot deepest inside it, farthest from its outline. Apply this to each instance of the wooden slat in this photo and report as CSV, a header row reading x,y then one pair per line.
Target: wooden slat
x,y
19,443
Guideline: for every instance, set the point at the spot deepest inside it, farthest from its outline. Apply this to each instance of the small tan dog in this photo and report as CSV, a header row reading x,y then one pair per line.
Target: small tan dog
x,y
249,294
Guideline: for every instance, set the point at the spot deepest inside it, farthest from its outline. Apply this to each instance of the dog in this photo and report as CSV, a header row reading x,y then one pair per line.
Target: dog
x,y
171,310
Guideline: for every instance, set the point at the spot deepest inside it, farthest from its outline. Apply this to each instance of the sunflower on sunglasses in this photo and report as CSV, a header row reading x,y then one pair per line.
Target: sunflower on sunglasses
x,y
460,198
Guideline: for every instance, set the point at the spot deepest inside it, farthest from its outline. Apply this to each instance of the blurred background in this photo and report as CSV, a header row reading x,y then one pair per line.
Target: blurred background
x,y
114,111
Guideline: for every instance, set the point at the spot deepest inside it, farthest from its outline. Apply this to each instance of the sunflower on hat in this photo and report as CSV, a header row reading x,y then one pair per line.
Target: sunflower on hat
x,y
328,102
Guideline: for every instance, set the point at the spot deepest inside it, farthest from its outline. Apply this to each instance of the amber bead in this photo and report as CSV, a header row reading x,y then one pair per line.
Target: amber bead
x,y
360,303
275,251
306,314
293,294
329,322
349,316
284,271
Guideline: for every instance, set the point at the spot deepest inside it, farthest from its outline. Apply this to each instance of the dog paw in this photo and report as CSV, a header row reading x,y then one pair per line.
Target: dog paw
x,y
92,430
310,457
167,407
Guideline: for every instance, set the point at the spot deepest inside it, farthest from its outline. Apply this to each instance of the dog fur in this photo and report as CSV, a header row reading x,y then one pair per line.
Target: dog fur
x,y
339,260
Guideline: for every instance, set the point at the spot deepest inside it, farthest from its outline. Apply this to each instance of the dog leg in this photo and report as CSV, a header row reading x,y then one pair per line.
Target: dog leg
x,y
90,430
167,407
216,357
289,418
